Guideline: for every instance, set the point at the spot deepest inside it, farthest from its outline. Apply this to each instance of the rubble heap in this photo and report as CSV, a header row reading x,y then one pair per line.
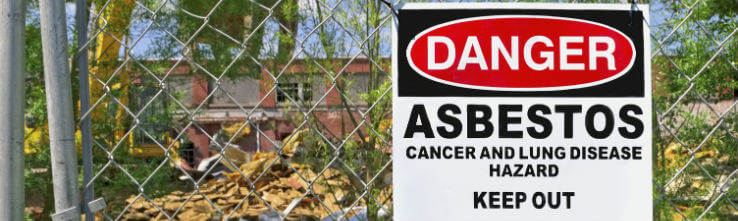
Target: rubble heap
x,y
281,186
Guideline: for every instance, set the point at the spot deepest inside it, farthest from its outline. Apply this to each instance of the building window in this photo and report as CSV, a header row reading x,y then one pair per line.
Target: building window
x,y
155,119
298,91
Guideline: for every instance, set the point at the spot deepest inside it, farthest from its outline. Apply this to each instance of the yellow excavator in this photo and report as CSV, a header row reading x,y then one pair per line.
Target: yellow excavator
x,y
115,20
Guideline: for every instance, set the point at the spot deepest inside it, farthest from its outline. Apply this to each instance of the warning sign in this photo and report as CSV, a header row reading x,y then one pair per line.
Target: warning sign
x,y
522,112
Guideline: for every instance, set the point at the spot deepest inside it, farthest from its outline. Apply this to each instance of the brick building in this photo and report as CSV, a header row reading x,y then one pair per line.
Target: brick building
x,y
271,108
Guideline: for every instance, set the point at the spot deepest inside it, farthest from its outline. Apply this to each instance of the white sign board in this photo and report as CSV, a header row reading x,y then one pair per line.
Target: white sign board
x,y
521,112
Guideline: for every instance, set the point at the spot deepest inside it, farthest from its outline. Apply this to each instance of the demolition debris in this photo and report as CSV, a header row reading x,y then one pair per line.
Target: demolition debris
x,y
280,186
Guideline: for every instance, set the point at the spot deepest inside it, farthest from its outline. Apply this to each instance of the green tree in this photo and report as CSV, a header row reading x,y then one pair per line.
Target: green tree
x,y
694,63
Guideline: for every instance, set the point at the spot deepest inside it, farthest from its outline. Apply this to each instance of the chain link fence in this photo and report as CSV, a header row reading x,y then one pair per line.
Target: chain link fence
x,y
695,57
299,62
280,109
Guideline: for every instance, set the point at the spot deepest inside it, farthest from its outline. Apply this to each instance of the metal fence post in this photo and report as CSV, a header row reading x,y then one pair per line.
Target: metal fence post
x,y
59,104
12,105
84,106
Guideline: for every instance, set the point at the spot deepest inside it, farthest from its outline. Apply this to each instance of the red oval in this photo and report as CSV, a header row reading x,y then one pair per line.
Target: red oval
x,y
525,77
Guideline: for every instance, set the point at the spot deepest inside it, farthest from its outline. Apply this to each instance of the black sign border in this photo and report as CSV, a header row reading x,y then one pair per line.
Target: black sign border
x,y
413,21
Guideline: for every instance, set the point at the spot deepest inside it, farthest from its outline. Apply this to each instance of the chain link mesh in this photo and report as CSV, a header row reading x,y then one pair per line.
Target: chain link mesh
x,y
138,49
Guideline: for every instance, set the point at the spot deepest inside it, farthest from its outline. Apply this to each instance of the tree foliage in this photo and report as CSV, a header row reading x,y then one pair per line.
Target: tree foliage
x,y
694,75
